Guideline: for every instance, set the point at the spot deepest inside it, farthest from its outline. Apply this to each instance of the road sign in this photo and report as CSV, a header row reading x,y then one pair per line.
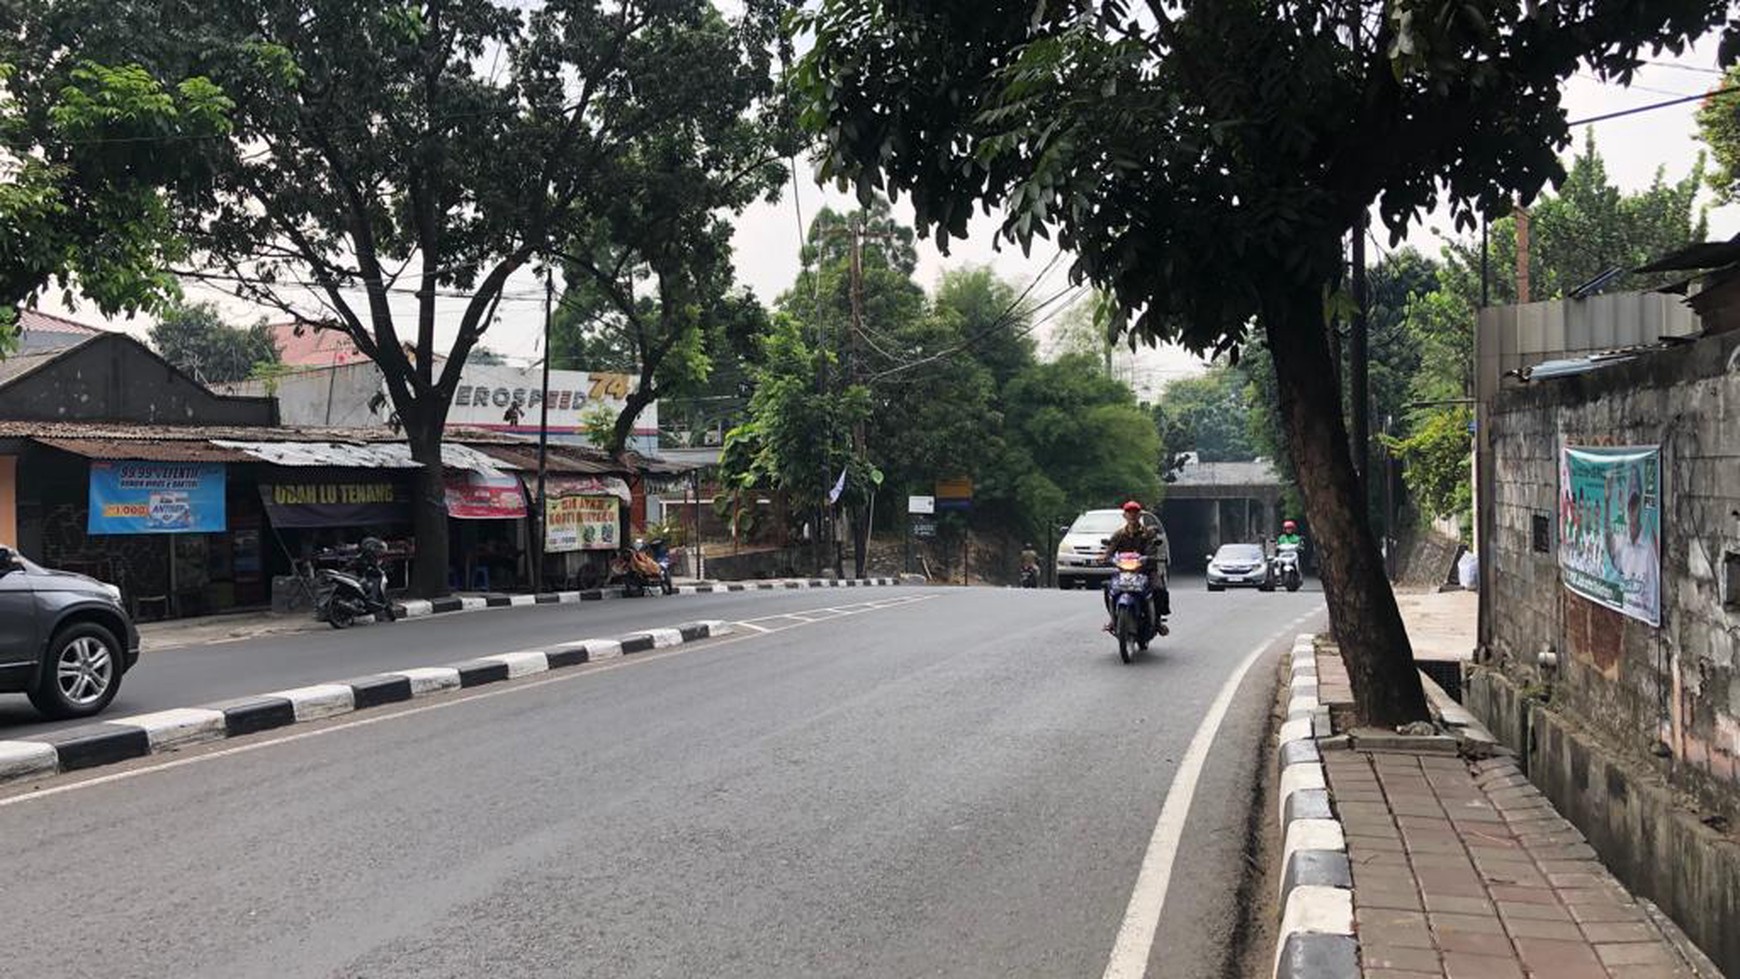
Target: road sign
x,y
954,489
923,527
921,504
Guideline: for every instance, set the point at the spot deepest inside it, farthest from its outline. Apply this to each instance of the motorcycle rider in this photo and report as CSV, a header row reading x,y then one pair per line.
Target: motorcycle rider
x,y
1289,535
1029,564
1136,537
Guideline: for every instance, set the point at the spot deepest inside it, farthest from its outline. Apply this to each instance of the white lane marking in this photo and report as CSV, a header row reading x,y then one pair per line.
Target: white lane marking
x,y
465,697
1148,899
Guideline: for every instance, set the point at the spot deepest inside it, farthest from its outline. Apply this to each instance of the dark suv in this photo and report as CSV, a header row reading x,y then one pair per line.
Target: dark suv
x,y
65,639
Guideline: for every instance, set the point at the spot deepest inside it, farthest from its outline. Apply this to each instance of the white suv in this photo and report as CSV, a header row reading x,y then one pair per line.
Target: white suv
x,y
1078,553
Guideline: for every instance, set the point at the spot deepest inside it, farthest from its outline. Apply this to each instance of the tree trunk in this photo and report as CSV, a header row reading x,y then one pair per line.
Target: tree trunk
x,y
860,538
428,512
632,406
1362,607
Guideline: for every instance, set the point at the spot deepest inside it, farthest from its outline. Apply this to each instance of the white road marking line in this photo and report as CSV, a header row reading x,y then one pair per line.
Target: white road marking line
x,y
396,711
1135,942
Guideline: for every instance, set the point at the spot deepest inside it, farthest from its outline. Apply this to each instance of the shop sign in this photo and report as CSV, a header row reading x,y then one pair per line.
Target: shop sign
x,y
129,497
954,494
503,396
580,516
290,505
473,495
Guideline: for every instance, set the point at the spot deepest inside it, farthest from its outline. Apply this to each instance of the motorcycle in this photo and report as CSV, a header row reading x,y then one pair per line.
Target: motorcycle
x,y
1287,567
660,550
1030,576
637,570
1131,594
358,590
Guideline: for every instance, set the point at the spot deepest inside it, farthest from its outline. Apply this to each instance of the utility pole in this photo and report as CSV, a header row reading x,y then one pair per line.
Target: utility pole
x,y
543,436
1522,254
854,366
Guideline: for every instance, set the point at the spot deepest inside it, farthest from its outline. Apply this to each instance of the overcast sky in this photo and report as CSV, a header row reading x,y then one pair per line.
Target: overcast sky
x,y
768,235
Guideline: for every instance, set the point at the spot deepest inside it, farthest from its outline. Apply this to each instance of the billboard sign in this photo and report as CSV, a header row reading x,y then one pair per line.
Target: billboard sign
x,y
1610,527
129,497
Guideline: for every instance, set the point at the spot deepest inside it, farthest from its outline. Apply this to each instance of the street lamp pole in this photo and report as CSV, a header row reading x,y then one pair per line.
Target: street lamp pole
x,y
543,433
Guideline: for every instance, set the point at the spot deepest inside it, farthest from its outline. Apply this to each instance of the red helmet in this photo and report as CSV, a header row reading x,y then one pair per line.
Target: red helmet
x,y
1289,526
1132,506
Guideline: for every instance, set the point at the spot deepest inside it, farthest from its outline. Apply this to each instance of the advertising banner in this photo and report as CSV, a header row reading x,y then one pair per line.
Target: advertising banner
x,y
575,521
1610,527
473,495
509,398
335,504
156,498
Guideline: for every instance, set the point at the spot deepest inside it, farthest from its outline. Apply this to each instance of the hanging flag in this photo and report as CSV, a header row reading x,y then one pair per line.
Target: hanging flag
x,y
839,487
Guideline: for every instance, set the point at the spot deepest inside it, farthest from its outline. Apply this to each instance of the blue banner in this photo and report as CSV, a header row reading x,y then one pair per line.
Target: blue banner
x,y
157,498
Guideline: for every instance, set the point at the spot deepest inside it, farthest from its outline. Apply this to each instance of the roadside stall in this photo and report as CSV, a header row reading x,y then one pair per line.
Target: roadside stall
x,y
584,524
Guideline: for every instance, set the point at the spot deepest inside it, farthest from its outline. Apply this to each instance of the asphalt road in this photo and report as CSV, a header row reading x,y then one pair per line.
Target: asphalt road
x,y
187,676
964,784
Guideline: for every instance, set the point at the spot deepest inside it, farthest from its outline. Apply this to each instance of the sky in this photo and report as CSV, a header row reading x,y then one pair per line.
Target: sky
x,y
768,235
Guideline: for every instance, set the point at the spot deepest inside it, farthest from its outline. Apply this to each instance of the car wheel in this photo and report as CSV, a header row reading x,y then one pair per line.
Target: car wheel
x,y
81,672
1215,587
1065,583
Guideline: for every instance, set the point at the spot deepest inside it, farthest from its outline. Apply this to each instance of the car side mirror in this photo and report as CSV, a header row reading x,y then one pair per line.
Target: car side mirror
x,y
1209,558
8,559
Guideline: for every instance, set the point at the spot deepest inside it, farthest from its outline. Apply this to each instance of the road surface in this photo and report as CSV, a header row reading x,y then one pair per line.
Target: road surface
x,y
957,783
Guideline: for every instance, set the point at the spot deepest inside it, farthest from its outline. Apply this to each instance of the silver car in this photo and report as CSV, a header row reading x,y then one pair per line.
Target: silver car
x,y
65,639
1079,553
1240,566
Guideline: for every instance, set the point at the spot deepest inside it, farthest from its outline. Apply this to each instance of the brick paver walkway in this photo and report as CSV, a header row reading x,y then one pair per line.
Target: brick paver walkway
x,y
1463,870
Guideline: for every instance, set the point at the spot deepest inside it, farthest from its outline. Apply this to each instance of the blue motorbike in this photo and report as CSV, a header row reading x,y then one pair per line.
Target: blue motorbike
x,y
1131,593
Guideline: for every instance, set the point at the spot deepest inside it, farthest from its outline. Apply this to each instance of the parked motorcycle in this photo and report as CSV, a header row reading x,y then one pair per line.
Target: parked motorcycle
x,y
660,550
358,590
1287,571
1132,597
637,570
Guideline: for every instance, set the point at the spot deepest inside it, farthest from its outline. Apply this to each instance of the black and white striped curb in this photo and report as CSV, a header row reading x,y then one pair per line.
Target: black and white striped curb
x,y
1316,939
127,738
420,607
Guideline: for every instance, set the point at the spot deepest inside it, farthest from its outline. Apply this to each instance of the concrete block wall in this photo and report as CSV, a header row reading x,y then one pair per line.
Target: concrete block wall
x,y
1640,690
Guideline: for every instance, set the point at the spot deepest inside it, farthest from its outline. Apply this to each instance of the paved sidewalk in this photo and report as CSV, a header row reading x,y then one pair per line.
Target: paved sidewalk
x,y
1463,870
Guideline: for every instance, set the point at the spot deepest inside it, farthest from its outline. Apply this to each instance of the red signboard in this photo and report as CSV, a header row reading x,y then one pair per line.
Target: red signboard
x,y
476,496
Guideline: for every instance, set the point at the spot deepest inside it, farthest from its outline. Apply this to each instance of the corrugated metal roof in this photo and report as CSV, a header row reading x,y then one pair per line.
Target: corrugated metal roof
x,y
166,451
18,365
347,455
1228,474
525,459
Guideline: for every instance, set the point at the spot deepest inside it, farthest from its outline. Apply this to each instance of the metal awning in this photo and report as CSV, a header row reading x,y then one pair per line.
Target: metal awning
x,y
367,455
170,451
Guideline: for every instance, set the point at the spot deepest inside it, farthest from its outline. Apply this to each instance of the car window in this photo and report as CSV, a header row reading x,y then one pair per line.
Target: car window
x,y
1097,523
1239,552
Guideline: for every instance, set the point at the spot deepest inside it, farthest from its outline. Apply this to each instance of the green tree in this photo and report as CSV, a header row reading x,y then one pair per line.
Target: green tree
x,y
80,206
993,315
1207,415
434,147
196,339
1076,439
798,439
1719,128
1205,163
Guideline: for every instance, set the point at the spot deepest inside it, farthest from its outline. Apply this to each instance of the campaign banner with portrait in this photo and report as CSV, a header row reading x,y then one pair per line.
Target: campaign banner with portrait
x,y
128,497
1610,527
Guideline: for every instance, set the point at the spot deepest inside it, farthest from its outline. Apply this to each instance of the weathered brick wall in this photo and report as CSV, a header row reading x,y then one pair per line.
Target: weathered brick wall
x,y
1645,691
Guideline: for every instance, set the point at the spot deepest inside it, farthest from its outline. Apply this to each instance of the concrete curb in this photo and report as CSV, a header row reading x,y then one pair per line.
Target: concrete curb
x,y
126,738
418,608
1316,940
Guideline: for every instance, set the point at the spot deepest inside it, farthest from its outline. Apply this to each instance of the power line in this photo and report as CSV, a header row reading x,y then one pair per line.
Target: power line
x,y
1653,106
1675,64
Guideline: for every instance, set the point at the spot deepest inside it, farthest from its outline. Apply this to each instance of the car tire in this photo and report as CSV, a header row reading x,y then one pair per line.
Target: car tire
x,y
90,656
1065,582
1216,587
